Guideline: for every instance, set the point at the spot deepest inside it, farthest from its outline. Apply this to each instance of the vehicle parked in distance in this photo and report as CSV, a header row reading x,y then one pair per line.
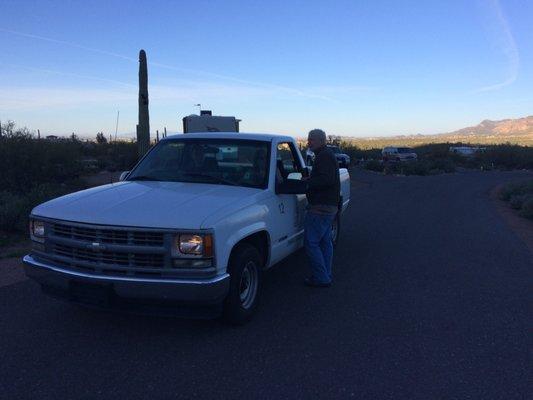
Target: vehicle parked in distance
x,y
194,223
467,151
398,154
309,157
343,159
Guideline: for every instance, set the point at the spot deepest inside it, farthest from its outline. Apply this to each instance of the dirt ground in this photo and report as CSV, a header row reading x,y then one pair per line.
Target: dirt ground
x,y
11,271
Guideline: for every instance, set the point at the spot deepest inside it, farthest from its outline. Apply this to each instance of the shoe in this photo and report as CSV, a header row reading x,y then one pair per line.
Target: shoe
x,y
313,283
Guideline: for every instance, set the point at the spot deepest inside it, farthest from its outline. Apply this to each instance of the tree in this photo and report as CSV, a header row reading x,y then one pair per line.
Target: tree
x,y
334,140
100,138
8,131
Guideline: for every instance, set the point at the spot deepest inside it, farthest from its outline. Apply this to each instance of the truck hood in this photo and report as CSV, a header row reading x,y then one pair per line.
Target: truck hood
x,y
146,204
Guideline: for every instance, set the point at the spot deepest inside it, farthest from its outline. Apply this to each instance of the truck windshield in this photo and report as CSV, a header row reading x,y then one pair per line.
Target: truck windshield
x,y
219,161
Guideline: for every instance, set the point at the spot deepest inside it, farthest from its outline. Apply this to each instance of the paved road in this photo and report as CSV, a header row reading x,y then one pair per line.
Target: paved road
x,y
431,300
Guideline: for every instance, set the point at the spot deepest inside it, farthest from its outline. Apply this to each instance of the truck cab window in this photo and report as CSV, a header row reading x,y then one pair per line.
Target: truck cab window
x,y
286,161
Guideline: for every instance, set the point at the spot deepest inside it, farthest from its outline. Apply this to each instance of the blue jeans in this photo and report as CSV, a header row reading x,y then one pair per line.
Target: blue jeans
x,y
319,245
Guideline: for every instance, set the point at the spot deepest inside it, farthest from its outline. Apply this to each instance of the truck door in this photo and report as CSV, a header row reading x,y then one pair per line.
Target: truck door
x,y
291,206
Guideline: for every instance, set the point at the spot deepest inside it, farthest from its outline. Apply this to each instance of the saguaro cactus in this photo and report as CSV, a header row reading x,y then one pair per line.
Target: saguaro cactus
x,y
143,127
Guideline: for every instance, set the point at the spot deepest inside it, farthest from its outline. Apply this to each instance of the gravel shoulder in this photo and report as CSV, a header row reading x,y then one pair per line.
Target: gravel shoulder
x,y
521,226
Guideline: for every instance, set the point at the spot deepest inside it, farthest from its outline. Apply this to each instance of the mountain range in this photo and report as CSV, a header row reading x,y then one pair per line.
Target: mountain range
x,y
505,129
515,131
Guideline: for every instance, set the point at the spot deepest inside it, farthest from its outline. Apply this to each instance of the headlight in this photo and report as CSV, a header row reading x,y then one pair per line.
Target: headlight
x,y
37,230
195,244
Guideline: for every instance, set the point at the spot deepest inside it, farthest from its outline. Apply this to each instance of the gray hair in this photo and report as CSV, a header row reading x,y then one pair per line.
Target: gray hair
x,y
318,134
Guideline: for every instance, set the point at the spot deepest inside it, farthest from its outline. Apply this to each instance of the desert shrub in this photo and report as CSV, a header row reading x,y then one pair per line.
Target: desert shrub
x,y
506,156
34,171
527,207
420,167
437,158
356,153
121,156
26,162
520,197
392,168
13,211
516,189
16,207
517,201
501,156
374,165
445,165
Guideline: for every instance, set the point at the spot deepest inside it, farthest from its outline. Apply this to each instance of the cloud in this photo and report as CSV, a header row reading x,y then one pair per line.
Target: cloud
x,y
33,98
291,91
70,44
68,74
507,45
39,98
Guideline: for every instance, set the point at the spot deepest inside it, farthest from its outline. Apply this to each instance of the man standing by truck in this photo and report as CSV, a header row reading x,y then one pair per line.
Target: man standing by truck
x,y
323,196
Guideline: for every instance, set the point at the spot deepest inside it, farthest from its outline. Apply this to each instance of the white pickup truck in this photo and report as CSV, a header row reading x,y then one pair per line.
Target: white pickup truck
x,y
191,227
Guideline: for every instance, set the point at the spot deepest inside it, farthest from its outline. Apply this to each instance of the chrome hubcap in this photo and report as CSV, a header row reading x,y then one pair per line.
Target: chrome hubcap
x,y
248,285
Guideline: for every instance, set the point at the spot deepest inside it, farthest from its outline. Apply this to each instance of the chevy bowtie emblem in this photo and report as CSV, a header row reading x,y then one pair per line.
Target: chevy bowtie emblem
x,y
95,246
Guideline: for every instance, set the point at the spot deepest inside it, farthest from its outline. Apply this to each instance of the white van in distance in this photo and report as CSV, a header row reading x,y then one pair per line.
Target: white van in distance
x,y
398,154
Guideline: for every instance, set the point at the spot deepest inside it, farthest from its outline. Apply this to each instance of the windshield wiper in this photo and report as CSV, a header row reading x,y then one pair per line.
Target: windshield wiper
x,y
214,179
143,178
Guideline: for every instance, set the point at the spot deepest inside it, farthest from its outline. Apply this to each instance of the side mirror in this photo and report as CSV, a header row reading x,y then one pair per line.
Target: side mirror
x,y
123,175
296,176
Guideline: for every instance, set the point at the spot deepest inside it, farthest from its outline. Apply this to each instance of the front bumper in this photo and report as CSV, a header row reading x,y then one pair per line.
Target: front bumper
x,y
112,290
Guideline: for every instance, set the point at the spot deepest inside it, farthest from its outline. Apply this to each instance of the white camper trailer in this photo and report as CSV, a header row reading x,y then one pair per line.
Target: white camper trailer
x,y
206,122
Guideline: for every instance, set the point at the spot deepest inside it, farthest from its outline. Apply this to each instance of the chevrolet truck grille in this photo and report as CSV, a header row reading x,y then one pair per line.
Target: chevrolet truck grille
x,y
105,250
113,236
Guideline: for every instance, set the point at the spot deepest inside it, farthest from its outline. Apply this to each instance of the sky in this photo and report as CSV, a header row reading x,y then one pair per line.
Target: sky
x,y
352,68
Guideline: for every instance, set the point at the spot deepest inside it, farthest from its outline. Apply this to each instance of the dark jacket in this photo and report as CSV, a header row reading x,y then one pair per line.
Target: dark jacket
x,y
324,183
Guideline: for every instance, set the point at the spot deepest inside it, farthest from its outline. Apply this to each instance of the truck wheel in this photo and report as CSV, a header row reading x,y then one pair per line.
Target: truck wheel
x,y
245,282
336,230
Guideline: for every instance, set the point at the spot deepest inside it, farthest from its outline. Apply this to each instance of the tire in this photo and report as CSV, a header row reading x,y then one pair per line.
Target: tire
x,y
245,284
336,227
